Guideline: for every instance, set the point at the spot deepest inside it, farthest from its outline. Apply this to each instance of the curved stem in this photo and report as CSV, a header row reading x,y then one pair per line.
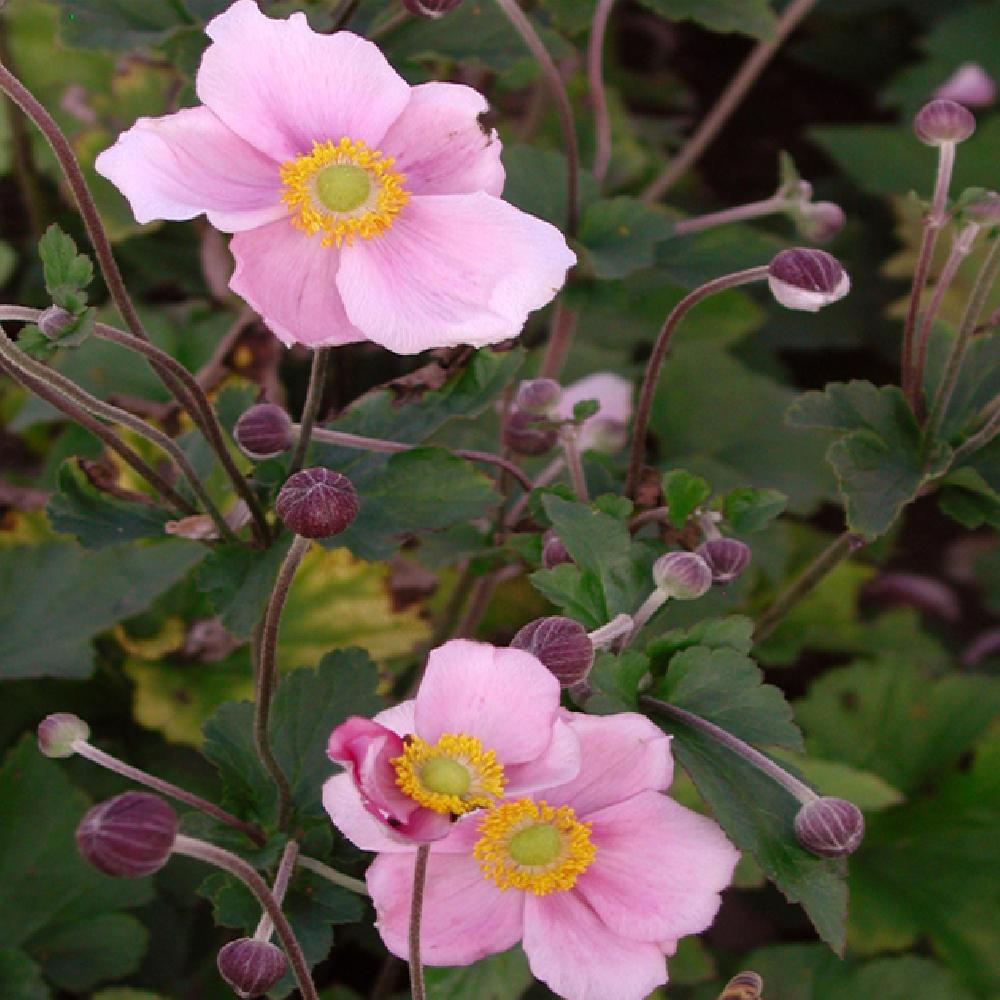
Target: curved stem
x,y
265,927
598,95
574,464
314,397
738,213
560,339
416,910
332,875
203,851
746,76
655,362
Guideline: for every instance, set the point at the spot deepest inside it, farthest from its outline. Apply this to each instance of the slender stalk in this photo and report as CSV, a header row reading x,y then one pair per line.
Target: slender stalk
x,y
344,13
655,362
598,95
314,397
605,637
416,911
266,669
193,848
838,550
799,789
574,464
746,76
546,476
479,600
652,516
550,71
560,339
738,213
649,607
265,927
332,875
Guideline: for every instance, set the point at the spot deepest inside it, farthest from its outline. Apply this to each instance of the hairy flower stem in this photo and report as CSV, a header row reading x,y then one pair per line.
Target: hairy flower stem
x,y
573,463
598,94
838,550
265,663
799,789
314,397
655,362
746,76
332,875
738,213
17,358
289,856
550,71
203,851
416,911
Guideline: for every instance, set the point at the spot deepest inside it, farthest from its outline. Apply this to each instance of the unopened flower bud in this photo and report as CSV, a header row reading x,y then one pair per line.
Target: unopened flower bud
x,y
561,644
130,835
250,966
820,222
525,436
538,396
432,9
263,431
808,279
941,121
55,321
682,575
743,986
317,503
554,552
58,732
985,209
727,558
970,85
829,827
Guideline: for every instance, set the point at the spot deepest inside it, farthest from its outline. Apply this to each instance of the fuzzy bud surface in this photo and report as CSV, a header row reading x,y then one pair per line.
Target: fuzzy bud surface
x,y
128,836
317,503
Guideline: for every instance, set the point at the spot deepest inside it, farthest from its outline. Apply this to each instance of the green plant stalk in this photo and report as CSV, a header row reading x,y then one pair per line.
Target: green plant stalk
x,y
332,875
314,397
738,213
573,463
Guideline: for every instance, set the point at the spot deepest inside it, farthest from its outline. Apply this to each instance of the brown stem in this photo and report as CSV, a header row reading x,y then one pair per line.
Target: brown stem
x,y
560,339
573,463
265,926
314,397
416,911
598,93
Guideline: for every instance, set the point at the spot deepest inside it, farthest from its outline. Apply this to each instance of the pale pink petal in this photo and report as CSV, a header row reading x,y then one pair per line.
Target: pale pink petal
x,y
439,145
622,755
503,697
557,765
343,803
398,718
290,279
282,86
659,868
605,430
578,957
465,916
452,269
181,165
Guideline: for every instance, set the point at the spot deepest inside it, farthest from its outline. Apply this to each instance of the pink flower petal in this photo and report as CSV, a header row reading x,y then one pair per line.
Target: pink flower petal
x,y
281,86
440,146
457,269
608,425
559,764
622,755
578,957
181,165
503,697
343,803
399,718
290,279
465,916
659,868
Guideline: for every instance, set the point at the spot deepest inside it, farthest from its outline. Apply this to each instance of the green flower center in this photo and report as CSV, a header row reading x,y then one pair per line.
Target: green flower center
x,y
539,844
445,776
343,187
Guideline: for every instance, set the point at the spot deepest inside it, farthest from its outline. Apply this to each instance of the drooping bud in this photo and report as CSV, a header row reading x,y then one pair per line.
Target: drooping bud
x,y
56,321
432,9
524,435
941,121
830,827
130,835
727,558
561,644
58,732
317,503
538,396
806,278
970,85
250,966
263,431
682,575
819,222
554,553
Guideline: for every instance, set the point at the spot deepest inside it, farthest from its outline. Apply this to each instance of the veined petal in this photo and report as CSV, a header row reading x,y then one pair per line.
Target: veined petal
x,y
558,764
181,165
344,805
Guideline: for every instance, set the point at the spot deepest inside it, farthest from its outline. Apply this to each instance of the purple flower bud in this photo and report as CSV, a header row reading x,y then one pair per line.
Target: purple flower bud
x,y
727,558
682,575
743,986
829,827
561,644
808,279
820,222
554,552
525,436
538,396
432,9
57,733
130,835
942,121
985,210
317,503
970,85
263,431
250,966
54,322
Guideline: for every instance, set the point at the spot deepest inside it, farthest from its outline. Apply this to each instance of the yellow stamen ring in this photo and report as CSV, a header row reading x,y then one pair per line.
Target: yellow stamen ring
x,y
343,190
454,775
532,846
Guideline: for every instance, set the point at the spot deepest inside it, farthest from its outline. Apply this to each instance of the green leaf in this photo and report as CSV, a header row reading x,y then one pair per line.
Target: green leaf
x,y
500,977
119,24
735,632
829,777
57,597
585,409
748,510
615,680
66,271
107,946
749,17
21,978
620,235
683,493
577,594
536,182
967,498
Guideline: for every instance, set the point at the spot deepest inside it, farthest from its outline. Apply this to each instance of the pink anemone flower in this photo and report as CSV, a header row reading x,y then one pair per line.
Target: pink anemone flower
x,y
607,429
363,208
598,877
485,723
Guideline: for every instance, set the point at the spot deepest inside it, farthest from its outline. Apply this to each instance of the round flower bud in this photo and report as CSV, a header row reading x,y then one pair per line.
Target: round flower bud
x,y
744,986
561,644
808,279
941,121
130,835
525,436
829,827
250,966
57,733
54,322
317,503
683,575
263,431
820,222
554,552
538,396
970,85
431,8
727,558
